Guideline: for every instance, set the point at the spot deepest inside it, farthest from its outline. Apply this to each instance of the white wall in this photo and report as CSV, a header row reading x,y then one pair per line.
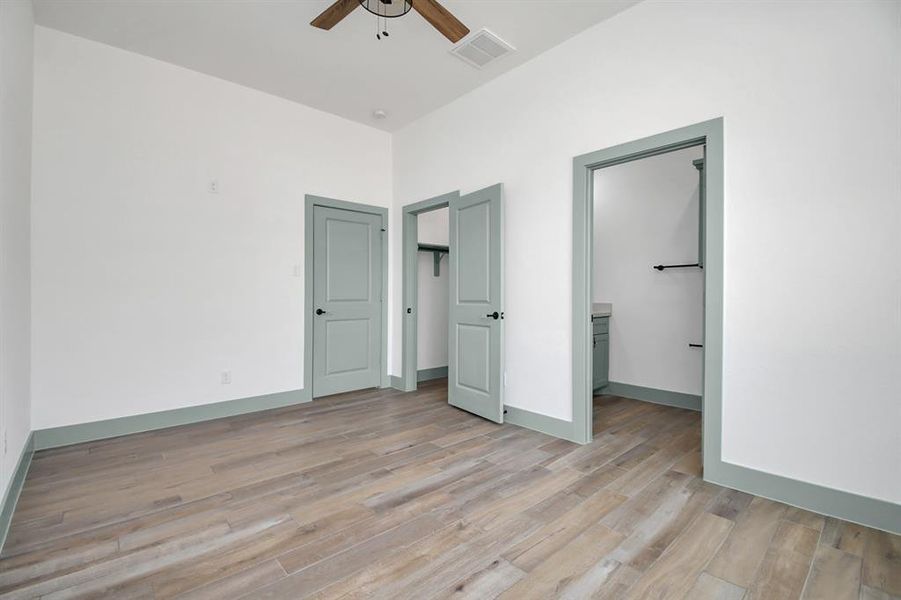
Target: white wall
x,y
431,323
16,70
145,286
810,95
646,213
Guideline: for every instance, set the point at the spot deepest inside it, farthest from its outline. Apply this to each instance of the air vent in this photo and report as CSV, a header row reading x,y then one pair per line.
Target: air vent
x,y
481,48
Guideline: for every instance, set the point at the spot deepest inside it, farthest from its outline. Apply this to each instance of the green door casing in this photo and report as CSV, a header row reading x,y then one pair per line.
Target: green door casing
x,y
347,300
475,315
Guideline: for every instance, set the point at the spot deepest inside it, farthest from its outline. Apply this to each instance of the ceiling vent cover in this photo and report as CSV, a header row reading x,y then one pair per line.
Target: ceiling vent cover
x,y
481,48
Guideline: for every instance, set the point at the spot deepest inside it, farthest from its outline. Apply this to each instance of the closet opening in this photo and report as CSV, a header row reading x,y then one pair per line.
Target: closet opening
x,y
647,303
426,278
432,295
647,310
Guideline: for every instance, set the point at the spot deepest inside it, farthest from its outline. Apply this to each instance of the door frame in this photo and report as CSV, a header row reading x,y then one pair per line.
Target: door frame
x,y
410,293
710,134
311,202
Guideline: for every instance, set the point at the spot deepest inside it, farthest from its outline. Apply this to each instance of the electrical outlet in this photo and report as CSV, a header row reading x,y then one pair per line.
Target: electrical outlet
x,y
213,186
226,377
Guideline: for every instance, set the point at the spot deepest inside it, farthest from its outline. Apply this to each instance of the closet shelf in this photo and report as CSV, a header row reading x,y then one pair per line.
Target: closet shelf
x,y
437,252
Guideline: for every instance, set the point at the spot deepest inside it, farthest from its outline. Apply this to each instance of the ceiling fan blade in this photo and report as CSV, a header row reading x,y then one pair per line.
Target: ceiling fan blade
x,y
441,19
333,15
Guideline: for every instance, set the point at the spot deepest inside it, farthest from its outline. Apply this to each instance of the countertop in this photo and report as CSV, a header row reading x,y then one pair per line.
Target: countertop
x,y
601,309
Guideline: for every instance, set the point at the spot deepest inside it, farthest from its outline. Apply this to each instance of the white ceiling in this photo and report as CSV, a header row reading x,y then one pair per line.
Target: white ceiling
x,y
270,46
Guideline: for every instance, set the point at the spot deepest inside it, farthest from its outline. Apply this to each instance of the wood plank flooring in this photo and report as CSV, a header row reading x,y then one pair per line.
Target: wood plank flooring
x,y
380,494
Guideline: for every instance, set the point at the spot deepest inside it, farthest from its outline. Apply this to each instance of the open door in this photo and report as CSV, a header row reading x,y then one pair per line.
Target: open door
x,y
476,326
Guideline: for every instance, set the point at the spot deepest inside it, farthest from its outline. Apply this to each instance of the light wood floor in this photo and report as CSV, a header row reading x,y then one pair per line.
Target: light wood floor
x,y
389,495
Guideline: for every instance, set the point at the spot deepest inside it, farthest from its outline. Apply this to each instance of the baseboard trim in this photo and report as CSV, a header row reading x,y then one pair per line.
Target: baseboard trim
x,y
872,512
537,422
397,383
11,497
646,394
54,437
429,374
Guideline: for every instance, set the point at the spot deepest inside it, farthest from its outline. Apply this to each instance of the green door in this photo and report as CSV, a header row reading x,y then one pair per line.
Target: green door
x,y
347,300
476,326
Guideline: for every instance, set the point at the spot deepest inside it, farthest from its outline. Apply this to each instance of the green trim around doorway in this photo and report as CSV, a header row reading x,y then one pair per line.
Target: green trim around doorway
x,y
311,202
16,483
871,512
410,307
710,135
666,397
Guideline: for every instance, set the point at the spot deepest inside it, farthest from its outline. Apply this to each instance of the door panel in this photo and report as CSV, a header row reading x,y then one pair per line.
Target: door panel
x,y
347,281
476,326
473,345
474,251
349,246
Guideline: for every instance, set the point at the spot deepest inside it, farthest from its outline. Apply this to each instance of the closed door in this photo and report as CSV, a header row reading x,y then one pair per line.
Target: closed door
x,y
347,300
476,326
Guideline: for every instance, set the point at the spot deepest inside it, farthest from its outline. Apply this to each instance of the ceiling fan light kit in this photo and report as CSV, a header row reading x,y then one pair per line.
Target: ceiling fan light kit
x,y
389,9
386,9
437,16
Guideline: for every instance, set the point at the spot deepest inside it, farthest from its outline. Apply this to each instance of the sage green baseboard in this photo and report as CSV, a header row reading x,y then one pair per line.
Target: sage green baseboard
x,y
429,374
637,392
397,383
538,422
15,488
875,513
66,435
872,512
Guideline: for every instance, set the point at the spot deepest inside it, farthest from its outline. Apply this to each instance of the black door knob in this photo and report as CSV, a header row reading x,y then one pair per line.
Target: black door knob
x,y
319,311
495,315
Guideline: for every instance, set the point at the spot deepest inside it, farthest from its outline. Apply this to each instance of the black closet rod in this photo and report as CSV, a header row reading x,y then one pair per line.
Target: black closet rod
x,y
662,267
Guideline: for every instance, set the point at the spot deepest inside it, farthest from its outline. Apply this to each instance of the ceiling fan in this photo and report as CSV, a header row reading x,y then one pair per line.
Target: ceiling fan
x,y
438,16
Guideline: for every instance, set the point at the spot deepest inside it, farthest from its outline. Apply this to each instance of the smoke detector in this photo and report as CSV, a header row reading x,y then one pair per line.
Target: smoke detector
x,y
481,48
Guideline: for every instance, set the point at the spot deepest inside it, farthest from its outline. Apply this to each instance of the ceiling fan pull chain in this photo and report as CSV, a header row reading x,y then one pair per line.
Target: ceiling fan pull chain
x,y
377,16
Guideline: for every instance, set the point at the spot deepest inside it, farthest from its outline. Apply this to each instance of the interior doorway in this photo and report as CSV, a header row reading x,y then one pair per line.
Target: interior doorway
x,y
413,268
474,324
648,292
648,279
433,232
709,137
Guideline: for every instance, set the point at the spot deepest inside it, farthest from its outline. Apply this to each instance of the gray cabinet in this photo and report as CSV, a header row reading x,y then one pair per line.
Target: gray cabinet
x,y
600,360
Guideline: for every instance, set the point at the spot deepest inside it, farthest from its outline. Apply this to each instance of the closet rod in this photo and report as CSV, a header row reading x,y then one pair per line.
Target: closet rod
x,y
662,267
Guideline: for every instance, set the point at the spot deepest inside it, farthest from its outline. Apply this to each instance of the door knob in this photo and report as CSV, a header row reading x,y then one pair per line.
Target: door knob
x,y
495,315
319,311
